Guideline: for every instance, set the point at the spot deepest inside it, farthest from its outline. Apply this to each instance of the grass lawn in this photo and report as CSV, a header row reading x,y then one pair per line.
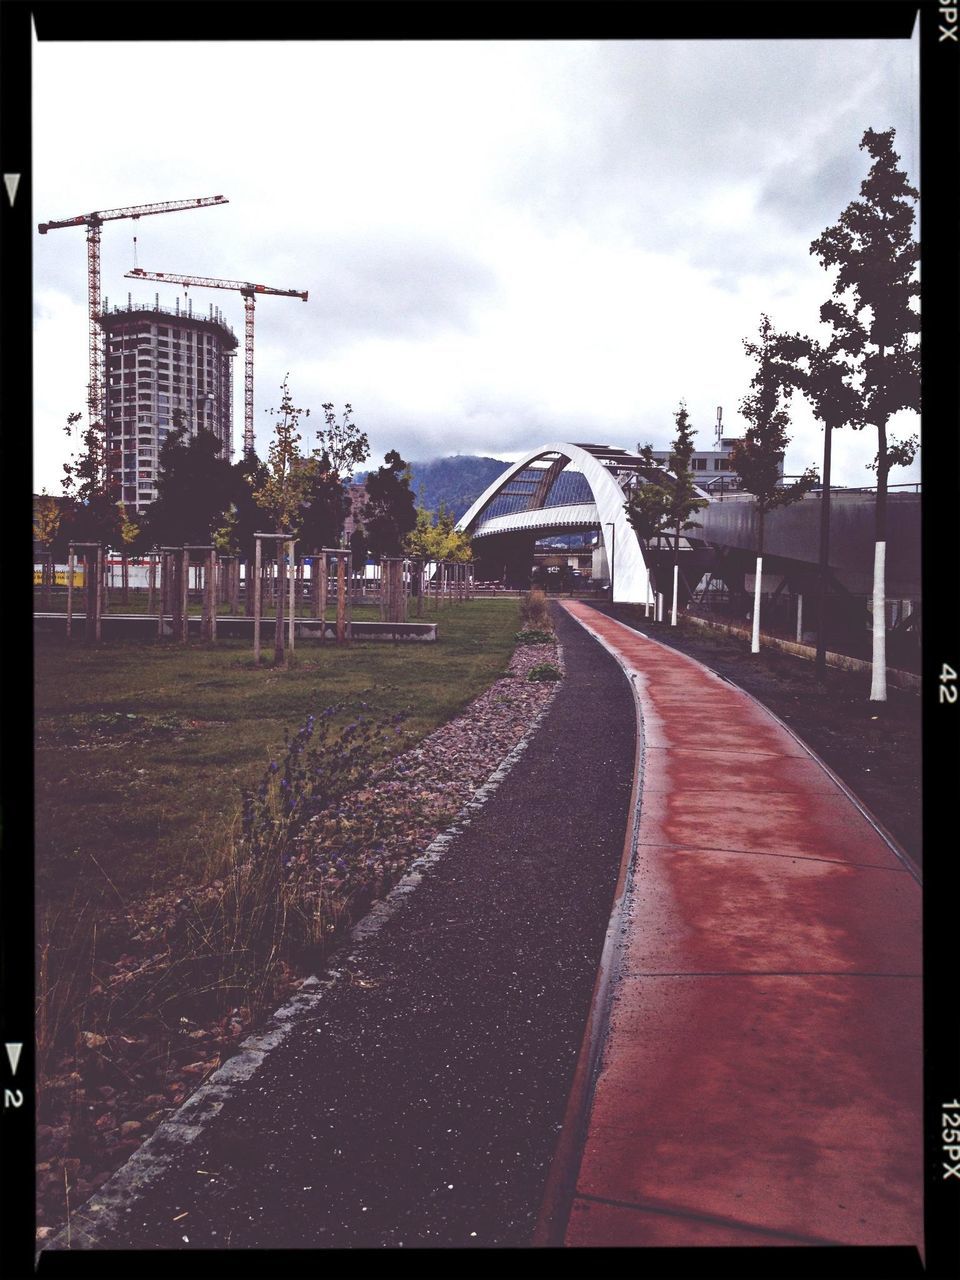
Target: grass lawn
x,y
143,749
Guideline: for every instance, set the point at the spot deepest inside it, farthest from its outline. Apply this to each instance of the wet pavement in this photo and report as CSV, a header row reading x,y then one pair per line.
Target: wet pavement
x,y
761,1081
418,1102
760,1074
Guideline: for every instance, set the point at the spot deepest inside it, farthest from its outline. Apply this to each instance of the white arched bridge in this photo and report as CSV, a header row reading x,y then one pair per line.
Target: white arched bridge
x,y
567,488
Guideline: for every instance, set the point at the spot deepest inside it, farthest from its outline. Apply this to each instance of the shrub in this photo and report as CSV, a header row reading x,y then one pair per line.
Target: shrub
x,y
533,610
533,635
544,671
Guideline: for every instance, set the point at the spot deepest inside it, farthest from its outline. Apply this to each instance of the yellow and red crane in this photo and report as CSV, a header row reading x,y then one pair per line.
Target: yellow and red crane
x,y
248,291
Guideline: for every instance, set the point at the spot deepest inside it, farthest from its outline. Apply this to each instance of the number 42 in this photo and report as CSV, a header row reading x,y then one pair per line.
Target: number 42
x,y
948,687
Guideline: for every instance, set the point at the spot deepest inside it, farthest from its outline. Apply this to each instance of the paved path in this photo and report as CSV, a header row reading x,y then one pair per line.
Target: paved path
x,y
761,1074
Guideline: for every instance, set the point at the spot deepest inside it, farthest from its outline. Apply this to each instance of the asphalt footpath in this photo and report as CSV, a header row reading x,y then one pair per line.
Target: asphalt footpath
x,y
418,1101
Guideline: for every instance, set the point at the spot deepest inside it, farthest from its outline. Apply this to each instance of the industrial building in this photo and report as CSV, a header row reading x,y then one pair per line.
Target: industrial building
x,y
162,364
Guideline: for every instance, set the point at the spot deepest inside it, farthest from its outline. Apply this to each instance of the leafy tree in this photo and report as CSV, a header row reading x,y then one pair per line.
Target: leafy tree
x,y
648,502
246,514
876,327
757,458
389,514
667,501
285,482
46,519
88,510
325,507
283,489
819,372
196,487
341,446
437,538
46,523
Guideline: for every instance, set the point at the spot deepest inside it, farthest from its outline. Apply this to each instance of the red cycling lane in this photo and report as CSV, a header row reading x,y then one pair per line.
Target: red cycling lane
x,y
760,1080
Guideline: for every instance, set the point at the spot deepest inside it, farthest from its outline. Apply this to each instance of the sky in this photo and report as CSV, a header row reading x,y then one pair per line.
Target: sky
x,y
505,244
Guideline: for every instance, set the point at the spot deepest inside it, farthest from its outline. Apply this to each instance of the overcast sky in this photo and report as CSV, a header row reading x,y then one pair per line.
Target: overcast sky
x,y
505,244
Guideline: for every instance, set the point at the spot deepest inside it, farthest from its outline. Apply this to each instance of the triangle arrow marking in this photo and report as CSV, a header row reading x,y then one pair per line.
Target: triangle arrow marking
x,y
13,1053
11,181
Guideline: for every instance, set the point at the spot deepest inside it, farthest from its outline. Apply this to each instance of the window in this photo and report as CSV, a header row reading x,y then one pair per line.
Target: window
x,y
718,464
699,464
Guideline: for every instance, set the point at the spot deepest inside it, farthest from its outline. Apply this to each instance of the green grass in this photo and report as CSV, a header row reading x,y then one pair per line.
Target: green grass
x,y
143,749
138,600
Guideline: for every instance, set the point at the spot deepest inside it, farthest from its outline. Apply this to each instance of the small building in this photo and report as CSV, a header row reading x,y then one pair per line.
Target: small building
x,y
711,468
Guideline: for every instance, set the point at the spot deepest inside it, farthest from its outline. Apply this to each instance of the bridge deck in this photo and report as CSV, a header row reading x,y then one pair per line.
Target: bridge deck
x,y
761,1071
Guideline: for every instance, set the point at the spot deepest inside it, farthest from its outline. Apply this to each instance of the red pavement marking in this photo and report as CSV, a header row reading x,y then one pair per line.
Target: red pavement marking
x,y
761,1078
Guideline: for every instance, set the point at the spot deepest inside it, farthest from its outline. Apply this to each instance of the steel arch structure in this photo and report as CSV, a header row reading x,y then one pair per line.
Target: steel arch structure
x,y
603,468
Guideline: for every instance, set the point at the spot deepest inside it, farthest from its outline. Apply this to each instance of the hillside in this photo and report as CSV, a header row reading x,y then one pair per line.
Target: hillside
x,y
456,481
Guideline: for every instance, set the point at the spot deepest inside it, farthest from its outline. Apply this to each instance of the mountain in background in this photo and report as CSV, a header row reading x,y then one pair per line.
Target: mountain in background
x,y
457,481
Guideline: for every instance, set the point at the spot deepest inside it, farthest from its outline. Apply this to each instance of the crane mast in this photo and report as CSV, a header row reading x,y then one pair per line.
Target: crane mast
x,y
93,222
248,291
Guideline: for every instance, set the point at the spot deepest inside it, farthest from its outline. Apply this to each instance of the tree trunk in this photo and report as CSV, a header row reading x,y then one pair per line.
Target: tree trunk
x,y
878,681
755,638
676,574
820,664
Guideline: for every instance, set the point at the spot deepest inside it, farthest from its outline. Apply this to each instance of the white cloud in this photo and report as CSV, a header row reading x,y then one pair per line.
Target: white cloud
x,y
502,241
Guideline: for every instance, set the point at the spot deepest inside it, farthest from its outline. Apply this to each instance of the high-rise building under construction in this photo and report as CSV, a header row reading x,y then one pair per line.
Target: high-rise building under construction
x,y
163,368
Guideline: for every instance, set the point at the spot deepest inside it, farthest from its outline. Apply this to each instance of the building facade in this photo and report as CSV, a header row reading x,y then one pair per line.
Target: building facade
x,y
162,367
711,468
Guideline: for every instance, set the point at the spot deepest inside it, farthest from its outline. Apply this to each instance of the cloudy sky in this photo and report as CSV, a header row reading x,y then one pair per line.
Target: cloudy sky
x,y
505,243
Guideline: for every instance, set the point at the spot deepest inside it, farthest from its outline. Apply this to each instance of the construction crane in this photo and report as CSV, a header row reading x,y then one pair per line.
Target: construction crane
x,y
249,293
93,223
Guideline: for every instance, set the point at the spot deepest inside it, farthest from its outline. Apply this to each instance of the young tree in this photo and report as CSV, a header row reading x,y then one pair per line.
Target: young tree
x,y
648,505
88,511
46,523
283,490
818,371
876,326
341,446
437,537
389,514
757,458
667,502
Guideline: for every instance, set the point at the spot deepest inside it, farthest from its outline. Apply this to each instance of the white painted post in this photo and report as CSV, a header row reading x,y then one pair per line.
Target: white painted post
x,y
659,606
257,599
673,613
878,674
755,640
71,566
99,594
800,618
185,582
648,601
